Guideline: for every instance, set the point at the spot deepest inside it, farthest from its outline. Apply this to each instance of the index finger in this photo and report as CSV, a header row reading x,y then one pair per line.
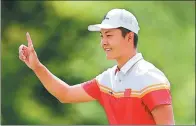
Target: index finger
x,y
30,43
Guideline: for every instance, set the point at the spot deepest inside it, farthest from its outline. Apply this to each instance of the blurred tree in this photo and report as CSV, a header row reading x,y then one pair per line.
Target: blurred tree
x,y
64,45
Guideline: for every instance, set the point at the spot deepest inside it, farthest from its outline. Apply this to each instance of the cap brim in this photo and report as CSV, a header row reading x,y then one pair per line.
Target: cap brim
x,y
98,27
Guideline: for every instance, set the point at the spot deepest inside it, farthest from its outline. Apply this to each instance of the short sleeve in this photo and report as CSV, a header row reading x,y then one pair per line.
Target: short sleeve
x,y
92,88
157,90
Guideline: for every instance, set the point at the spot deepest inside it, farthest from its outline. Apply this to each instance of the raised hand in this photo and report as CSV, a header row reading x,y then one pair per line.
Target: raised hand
x,y
28,55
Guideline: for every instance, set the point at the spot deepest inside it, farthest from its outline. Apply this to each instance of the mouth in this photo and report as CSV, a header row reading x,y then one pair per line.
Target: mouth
x,y
107,49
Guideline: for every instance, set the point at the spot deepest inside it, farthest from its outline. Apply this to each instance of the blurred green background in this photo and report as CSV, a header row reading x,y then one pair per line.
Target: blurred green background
x,y
71,52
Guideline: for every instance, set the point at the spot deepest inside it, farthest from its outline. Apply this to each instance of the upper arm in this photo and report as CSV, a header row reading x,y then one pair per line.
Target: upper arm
x,y
87,91
156,95
159,103
163,114
77,93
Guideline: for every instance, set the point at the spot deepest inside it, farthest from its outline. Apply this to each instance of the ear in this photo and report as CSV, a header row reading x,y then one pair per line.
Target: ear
x,y
130,36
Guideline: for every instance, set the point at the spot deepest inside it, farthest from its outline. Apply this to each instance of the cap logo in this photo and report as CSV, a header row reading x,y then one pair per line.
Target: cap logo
x,y
106,17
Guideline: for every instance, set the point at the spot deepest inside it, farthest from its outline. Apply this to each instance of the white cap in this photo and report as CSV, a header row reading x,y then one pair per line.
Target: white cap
x,y
117,18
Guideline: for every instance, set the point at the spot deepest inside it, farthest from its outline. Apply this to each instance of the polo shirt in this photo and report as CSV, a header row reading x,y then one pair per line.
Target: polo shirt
x,y
128,95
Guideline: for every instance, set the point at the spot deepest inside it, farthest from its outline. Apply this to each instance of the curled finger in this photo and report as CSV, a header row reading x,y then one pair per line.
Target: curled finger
x,y
21,55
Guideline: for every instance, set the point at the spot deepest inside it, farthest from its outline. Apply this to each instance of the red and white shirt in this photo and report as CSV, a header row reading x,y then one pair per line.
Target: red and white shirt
x,y
130,94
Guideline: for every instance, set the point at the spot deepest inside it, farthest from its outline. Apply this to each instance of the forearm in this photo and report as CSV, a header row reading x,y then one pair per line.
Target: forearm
x,y
163,115
53,84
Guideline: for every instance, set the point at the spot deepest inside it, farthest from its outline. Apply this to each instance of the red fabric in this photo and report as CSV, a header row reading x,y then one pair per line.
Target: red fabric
x,y
128,110
125,110
92,88
117,70
158,97
127,93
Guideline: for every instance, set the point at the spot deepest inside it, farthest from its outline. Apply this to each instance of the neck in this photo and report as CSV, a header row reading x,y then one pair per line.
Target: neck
x,y
124,59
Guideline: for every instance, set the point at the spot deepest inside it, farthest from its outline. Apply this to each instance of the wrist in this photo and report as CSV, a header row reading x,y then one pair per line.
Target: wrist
x,y
38,67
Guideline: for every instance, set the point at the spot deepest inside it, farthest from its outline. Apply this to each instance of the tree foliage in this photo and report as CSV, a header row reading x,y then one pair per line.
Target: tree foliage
x,y
65,46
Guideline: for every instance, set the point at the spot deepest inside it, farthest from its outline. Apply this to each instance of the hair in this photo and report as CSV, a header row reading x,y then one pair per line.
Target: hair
x,y
125,31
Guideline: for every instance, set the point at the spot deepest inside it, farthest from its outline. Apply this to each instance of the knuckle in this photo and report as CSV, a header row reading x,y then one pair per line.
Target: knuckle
x,y
20,52
20,48
20,58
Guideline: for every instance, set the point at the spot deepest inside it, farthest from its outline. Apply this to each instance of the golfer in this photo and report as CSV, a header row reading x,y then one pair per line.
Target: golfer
x,y
133,91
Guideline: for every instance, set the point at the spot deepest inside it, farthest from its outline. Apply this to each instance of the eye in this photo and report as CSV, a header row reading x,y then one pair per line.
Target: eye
x,y
109,35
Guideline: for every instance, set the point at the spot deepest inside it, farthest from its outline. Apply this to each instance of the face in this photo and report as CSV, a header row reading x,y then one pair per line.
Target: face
x,y
114,44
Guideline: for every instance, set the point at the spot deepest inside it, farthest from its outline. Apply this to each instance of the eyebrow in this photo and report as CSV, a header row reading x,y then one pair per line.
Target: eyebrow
x,y
106,32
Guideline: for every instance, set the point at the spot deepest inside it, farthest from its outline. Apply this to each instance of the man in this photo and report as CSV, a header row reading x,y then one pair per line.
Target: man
x,y
132,92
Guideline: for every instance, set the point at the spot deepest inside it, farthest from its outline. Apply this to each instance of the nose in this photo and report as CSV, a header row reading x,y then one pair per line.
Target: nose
x,y
104,41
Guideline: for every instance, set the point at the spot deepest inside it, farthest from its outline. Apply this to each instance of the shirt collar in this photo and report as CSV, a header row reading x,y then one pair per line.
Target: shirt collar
x,y
130,63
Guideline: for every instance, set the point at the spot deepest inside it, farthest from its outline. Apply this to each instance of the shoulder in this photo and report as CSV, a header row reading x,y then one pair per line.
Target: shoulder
x,y
155,87
150,75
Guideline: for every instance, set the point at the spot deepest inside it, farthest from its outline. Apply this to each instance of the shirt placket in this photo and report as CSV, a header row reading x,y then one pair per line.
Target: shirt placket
x,y
118,80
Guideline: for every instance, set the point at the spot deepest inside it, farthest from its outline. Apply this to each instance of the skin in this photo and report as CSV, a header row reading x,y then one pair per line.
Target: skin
x,y
121,50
